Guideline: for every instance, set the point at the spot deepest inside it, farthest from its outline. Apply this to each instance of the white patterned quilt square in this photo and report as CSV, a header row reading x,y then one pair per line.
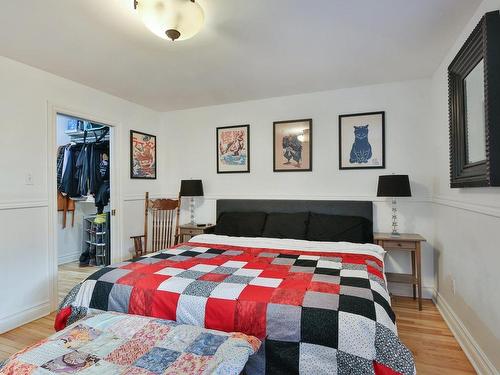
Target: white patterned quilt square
x,y
248,272
175,284
199,249
227,291
203,267
354,273
170,271
379,289
44,353
191,310
356,335
329,264
384,319
174,251
309,257
234,264
84,295
266,281
317,359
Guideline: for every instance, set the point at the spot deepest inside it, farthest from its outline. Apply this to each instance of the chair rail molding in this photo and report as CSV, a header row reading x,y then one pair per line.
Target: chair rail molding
x,y
315,197
479,208
15,204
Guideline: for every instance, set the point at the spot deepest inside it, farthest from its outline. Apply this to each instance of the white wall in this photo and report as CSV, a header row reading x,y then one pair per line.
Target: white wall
x,y
26,96
466,235
193,154
69,239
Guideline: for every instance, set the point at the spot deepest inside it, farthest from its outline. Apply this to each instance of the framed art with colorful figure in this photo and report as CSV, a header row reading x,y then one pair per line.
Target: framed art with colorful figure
x,y
142,155
233,149
362,141
292,142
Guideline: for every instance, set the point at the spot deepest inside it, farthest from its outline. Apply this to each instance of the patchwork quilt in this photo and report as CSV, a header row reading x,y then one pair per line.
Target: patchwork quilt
x,y
114,343
317,312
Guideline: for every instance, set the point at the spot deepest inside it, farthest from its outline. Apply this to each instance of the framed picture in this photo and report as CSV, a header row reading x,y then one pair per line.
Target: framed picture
x,y
142,155
292,142
362,141
233,149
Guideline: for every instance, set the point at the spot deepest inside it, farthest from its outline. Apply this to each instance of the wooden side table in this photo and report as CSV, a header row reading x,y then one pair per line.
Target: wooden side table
x,y
410,243
188,230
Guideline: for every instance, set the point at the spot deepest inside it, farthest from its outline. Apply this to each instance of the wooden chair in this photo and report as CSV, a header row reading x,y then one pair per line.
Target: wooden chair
x,y
164,225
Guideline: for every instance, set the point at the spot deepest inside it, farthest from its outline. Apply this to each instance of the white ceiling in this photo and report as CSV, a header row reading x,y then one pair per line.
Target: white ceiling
x,y
247,49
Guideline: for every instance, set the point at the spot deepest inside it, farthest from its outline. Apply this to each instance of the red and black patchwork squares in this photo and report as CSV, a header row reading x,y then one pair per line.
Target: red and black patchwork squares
x,y
301,302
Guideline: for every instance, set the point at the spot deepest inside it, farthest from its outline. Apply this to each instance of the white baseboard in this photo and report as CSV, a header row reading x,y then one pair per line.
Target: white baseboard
x,y
18,319
407,291
68,258
469,345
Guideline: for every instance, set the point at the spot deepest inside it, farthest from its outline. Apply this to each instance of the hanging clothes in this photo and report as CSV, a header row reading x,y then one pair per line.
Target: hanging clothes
x,y
99,167
69,181
102,197
60,161
82,171
66,204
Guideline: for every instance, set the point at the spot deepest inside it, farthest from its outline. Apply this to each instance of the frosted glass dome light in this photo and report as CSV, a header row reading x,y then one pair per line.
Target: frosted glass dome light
x,y
171,19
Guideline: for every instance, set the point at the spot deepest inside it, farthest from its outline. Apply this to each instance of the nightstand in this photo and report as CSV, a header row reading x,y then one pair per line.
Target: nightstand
x,y
412,244
189,231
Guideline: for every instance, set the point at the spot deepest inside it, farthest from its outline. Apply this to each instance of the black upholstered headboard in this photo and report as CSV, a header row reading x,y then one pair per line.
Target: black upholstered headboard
x,y
344,208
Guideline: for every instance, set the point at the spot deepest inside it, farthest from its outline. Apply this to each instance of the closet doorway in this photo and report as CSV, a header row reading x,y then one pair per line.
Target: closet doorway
x,y
83,165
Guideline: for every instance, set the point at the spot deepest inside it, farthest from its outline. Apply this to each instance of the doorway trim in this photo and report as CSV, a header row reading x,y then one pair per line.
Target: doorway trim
x,y
116,199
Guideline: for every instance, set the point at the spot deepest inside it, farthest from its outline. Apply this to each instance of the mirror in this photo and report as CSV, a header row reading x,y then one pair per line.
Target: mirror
x,y
474,114
474,107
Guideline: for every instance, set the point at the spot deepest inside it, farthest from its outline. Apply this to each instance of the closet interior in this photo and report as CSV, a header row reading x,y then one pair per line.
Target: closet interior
x,y
83,191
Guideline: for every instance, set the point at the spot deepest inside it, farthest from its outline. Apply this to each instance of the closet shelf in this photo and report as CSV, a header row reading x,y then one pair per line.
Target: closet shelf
x,y
96,233
95,243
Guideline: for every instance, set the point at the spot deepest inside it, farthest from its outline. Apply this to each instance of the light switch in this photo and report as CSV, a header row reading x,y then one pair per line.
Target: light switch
x,y
29,179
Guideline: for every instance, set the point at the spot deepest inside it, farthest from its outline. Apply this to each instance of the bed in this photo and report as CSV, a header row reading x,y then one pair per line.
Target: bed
x,y
319,306
115,343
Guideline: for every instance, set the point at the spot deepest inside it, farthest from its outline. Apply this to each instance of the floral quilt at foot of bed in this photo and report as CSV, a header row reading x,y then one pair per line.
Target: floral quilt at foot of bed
x,y
114,343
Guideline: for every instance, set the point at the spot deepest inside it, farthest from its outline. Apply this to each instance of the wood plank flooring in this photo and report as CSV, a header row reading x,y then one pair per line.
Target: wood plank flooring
x,y
11,342
424,332
71,274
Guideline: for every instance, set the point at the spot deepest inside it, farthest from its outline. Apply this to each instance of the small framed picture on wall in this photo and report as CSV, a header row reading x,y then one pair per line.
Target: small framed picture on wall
x,y
142,155
233,149
362,141
292,143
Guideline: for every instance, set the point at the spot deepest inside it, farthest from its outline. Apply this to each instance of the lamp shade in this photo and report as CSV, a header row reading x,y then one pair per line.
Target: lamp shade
x,y
191,188
394,185
171,19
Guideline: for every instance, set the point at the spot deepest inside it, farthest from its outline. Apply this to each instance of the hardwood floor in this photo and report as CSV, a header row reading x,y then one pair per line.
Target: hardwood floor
x,y
424,332
428,337
10,342
71,274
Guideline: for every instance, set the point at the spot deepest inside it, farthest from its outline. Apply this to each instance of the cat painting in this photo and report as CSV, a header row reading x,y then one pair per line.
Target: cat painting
x,y
361,150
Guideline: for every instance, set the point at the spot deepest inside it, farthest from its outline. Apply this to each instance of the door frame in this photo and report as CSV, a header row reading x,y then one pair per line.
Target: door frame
x,y
116,199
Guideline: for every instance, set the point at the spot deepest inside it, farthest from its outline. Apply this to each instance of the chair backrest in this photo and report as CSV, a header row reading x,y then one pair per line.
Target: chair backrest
x,y
164,222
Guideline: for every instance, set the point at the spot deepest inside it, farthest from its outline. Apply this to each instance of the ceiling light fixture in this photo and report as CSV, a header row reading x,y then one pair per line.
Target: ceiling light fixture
x,y
171,19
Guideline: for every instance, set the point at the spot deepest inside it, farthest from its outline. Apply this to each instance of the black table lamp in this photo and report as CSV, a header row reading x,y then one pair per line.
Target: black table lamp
x,y
191,189
394,185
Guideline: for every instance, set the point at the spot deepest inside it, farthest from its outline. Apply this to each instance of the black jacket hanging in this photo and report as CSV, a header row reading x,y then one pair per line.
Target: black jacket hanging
x,y
82,171
69,182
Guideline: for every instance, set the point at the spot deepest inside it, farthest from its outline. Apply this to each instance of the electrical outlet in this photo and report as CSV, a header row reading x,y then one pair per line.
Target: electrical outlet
x,y
453,286
29,179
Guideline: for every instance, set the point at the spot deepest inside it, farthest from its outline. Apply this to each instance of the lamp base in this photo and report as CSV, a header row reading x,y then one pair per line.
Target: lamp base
x,y
191,211
395,234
